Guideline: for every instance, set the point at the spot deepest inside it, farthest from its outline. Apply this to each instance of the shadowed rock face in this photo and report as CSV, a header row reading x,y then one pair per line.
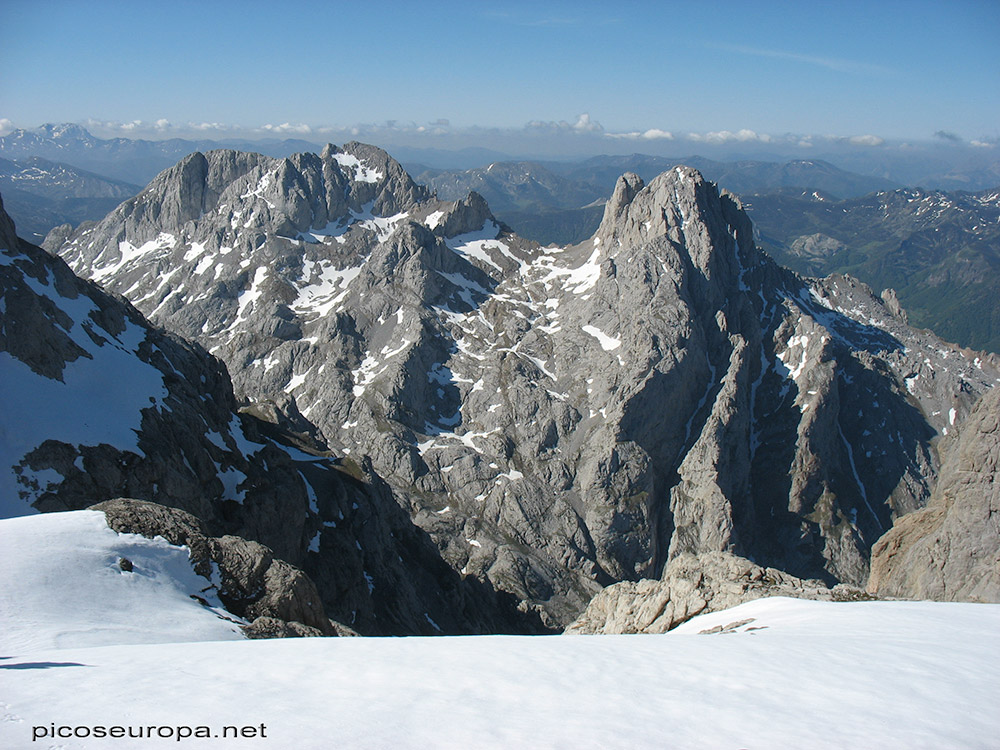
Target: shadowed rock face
x,y
554,419
950,551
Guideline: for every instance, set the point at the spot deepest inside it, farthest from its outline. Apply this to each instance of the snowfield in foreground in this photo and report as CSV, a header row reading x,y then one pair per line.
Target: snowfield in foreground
x,y
62,586
788,673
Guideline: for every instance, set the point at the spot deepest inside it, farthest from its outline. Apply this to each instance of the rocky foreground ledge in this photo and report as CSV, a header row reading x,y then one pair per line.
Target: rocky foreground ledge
x,y
278,599
693,585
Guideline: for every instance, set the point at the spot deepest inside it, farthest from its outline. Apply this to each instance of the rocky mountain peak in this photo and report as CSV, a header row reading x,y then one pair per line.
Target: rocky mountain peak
x,y
628,185
683,219
469,214
558,419
65,131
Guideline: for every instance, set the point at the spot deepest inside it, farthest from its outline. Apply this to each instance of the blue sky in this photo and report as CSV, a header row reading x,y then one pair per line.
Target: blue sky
x,y
637,70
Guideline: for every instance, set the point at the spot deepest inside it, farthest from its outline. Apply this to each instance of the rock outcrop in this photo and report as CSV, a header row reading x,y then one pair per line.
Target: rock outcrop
x,y
950,550
692,585
251,583
556,420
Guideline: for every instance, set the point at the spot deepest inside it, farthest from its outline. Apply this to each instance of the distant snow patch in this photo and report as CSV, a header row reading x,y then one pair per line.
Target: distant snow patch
x,y
325,287
480,244
608,343
127,252
362,172
251,295
580,279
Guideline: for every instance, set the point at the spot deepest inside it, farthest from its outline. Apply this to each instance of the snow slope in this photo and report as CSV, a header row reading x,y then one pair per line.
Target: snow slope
x,y
811,675
62,587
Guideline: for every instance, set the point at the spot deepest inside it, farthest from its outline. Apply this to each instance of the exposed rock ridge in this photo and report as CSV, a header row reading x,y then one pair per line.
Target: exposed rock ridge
x,y
8,235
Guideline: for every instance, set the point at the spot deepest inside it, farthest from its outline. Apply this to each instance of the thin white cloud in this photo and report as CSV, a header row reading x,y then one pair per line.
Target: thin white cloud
x,y
586,125
163,127
287,127
653,134
6,126
583,124
727,136
865,140
837,64
210,126
96,126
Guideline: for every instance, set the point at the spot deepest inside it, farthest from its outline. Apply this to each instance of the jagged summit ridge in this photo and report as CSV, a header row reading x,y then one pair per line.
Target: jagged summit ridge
x,y
558,419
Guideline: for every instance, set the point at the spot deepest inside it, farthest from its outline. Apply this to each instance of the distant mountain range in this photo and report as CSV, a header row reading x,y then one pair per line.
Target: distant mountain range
x,y
44,194
124,159
939,251
942,262
558,202
524,186
135,160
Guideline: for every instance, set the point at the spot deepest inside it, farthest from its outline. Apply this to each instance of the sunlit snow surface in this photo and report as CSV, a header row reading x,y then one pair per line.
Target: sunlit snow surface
x,y
809,675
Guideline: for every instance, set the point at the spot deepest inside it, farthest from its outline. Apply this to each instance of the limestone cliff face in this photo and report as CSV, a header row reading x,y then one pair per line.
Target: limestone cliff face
x,y
555,419
950,551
